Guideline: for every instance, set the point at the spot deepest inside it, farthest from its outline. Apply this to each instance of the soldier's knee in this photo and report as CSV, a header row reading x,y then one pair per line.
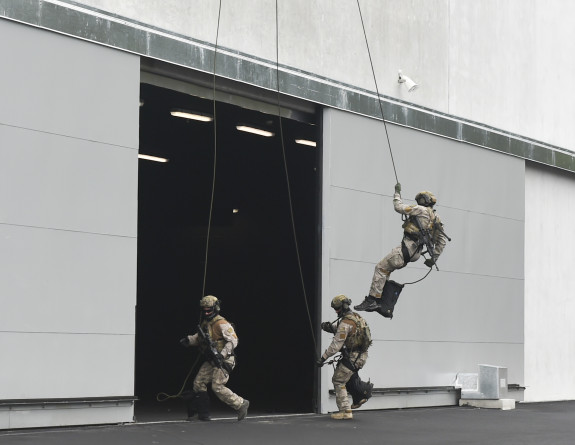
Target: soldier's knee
x,y
217,387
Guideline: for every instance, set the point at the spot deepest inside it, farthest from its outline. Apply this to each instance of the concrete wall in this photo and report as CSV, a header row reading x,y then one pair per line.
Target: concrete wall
x,y
549,286
502,64
68,214
470,312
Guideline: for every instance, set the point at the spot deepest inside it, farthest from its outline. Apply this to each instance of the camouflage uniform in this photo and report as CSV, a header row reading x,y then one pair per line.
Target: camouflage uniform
x,y
223,334
345,335
395,259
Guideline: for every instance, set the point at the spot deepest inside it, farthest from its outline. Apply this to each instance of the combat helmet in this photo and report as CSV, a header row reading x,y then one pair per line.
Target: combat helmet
x,y
210,307
426,199
341,303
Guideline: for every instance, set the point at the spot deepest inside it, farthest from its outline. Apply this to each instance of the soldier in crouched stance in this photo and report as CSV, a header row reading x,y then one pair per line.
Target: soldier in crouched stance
x,y
352,338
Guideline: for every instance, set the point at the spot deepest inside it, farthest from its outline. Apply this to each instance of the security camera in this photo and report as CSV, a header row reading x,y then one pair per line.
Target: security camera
x,y
409,84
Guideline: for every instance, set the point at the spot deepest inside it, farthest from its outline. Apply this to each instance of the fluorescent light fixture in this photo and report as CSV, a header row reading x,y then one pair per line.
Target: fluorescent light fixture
x,y
305,142
253,130
152,158
191,115
235,210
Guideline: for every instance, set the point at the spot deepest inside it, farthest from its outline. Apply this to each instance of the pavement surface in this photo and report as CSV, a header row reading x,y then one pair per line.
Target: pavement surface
x,y
529,424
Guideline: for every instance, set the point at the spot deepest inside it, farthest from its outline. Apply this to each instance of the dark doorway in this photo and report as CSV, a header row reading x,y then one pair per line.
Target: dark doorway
x,y
252,265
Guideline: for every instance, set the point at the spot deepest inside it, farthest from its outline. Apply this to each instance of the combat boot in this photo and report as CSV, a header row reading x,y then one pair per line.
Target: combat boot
x,y
190,397
370,304
203,405
243,410
342,415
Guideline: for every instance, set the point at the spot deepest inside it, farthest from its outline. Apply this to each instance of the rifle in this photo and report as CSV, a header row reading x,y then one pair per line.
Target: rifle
x,y
211,351
426,239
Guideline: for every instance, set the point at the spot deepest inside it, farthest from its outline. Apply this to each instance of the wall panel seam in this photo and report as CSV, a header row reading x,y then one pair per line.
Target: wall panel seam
x,y
67,136
2,223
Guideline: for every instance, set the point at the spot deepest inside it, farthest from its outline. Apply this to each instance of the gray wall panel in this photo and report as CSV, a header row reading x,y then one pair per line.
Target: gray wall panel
x,y
362,161
89,94
68,145
365,227
549,285
446,306
468,313
400,363
62,281
67,183
60,365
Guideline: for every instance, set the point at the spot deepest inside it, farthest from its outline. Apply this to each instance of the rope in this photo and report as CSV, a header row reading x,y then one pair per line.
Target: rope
x,y
377,91
162,396
382,115
425,276
215,155
288,182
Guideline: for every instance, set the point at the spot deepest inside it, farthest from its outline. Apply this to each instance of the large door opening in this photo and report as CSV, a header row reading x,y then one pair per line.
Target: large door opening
x,y
252,264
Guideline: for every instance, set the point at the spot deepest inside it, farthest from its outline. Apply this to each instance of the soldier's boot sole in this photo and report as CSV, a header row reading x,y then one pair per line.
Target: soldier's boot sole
x,y
342,415
370,304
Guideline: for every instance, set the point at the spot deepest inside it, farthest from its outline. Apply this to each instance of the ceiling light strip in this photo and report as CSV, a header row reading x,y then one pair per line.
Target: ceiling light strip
x,y
152,158
253,130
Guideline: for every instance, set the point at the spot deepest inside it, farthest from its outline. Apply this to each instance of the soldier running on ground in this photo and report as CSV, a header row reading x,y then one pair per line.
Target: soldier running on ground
x,y
217,340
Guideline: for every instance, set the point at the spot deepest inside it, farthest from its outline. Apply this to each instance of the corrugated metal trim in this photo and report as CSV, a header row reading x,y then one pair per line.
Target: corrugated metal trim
x,y
73,19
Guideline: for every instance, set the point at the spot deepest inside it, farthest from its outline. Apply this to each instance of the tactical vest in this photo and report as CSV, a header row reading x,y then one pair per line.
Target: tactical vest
x,y
209,326
359,339
410,227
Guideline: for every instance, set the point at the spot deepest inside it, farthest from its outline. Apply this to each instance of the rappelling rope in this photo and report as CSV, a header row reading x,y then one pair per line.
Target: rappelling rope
x,y
288,182
215,153
377,92
162,396
382,115
425,276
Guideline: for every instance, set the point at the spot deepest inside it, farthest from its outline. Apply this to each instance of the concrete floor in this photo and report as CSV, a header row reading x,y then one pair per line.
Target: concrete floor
x,y
529,424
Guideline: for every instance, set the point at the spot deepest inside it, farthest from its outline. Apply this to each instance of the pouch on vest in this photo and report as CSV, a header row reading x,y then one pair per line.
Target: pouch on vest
x,y
389,297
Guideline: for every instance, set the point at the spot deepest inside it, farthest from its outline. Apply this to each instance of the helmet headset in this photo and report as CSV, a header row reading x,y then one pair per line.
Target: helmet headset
x,y
426,199
341,304
210,307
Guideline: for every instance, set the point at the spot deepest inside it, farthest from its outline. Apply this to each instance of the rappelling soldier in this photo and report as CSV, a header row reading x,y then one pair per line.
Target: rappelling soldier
x,y
352,338
422,228
217,341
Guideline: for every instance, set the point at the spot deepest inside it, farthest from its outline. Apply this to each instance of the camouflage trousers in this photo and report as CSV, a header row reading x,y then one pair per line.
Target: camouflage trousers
x,y
392,261
342,375
208,373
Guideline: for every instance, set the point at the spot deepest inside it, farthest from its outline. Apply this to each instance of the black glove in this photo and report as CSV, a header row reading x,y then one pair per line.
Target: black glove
x,y
320,362
398,188
429,262
185,342
327,327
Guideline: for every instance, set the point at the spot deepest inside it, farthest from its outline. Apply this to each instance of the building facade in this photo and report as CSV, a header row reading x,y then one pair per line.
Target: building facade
x,y
488,131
